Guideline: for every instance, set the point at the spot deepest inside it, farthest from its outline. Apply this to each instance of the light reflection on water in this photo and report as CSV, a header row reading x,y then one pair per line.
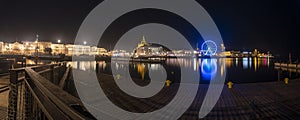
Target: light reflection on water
x,y
239,70
30,62
209,69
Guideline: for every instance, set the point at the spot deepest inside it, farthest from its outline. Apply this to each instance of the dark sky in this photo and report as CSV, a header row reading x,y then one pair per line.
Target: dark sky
x,y
244,24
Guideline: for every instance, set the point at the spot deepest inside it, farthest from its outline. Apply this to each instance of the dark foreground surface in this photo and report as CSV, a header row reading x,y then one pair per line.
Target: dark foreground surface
x,y
269,100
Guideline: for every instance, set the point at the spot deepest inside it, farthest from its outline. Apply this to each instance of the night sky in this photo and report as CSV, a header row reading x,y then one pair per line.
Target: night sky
x,y
244,24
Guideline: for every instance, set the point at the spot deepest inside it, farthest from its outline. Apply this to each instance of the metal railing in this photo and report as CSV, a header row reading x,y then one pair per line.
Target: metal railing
x,y
35,94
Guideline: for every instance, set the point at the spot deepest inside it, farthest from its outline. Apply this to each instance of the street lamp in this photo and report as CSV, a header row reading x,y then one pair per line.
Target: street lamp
x,y
58,41
84,42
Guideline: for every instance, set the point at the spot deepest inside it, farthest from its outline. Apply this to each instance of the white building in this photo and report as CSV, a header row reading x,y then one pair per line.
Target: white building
x,y
30,48
1,47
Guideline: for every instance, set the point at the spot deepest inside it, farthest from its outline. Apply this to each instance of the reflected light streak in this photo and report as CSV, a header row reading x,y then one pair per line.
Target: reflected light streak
x,y
195,64
255,64
223,66
228,62
209,68
258,62
141,70
245,63
268,62
265,61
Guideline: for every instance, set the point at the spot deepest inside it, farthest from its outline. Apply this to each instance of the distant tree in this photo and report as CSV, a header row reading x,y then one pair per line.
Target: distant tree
x,y
48,50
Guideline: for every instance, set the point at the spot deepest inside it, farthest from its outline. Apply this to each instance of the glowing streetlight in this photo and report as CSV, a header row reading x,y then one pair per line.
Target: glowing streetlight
x,y
58,41
84,42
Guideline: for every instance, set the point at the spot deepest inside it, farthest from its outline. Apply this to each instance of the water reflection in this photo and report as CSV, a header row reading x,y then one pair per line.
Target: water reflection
x,y
235,68
141,70
30,62
245,63
85,65
209,69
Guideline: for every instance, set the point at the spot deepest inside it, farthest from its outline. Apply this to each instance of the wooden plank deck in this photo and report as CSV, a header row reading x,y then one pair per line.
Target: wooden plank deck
x,y
4,81
271,100
3,113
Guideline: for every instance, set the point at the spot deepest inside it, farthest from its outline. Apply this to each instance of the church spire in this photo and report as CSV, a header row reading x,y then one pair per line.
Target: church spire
x,y
143,42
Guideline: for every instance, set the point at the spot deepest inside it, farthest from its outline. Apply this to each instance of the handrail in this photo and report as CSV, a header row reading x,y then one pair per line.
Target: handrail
x,y
34,67
45,86
52,101
64,78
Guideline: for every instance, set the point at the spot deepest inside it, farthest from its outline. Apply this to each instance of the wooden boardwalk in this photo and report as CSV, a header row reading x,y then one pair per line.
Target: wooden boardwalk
x,y
3,113
252,101
4,81
271,100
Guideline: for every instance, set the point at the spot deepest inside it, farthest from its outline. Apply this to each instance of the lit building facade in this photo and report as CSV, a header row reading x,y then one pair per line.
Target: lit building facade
x,y
58,49
1,47
47,48
145,49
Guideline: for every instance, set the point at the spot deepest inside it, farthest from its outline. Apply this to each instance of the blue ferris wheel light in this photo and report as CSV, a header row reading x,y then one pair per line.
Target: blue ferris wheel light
x,y
209,48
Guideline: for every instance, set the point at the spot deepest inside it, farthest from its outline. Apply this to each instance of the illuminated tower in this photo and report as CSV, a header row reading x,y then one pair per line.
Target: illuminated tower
x,y
143,42
223,47
255,53
37,45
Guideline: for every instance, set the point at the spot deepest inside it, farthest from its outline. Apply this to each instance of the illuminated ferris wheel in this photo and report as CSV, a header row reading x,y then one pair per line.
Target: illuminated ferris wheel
x,y
209,48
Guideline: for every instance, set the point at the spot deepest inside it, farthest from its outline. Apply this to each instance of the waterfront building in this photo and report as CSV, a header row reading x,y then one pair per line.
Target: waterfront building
x,y
48,48
77,50
255,53
247,54
226,54
183,53
58,49
93,50
69,50
12,48
102,51
31,48
1,47
17,48
236,54
223,48
121,53
145,49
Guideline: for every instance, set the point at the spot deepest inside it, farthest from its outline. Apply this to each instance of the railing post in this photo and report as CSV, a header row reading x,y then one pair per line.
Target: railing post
x,y
278,75
52,73
13,96
97,67
27,99
65,66
60,74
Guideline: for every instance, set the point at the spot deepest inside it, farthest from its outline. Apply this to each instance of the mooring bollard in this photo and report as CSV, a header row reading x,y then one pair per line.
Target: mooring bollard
x,y
286,80
229,84
118,76
168,83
